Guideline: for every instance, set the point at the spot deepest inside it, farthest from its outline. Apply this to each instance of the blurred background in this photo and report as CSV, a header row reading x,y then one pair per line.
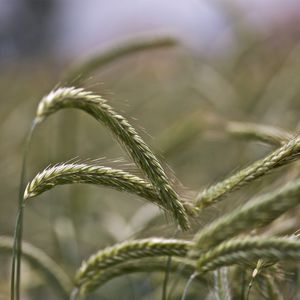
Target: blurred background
x,y
233,60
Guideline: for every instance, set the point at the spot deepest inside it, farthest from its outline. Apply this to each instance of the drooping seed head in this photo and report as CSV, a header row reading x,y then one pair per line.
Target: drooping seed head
x,y
141,154
256,213
289,152
249,249
57,98
70,173
126,252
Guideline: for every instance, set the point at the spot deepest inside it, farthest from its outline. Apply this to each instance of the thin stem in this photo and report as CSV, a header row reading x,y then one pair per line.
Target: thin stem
x,y
188,284
166,279
18,233
167,273
221,284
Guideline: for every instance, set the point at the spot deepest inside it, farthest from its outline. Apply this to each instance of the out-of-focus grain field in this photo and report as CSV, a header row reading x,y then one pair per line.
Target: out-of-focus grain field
x,y
189,108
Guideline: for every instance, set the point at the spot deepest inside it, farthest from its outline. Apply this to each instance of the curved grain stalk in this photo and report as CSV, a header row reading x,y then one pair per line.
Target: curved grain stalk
x,y
191,126
127,251
280,157
141,265
257,132
70,173
82,70
245,250
54,275
254,214
125,133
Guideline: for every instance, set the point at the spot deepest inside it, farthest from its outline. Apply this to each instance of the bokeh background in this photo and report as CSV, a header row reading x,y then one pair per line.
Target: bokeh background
x,y
233,60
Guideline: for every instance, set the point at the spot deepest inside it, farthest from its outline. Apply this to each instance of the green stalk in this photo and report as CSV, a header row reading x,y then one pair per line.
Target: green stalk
x,y
18,233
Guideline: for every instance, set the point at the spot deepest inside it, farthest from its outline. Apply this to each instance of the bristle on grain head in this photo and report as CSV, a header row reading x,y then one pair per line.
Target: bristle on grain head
x,y
97,107
60,97
72,173
126,252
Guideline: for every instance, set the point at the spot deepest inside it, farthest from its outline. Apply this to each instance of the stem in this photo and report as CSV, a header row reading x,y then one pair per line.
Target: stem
x,y
18,233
